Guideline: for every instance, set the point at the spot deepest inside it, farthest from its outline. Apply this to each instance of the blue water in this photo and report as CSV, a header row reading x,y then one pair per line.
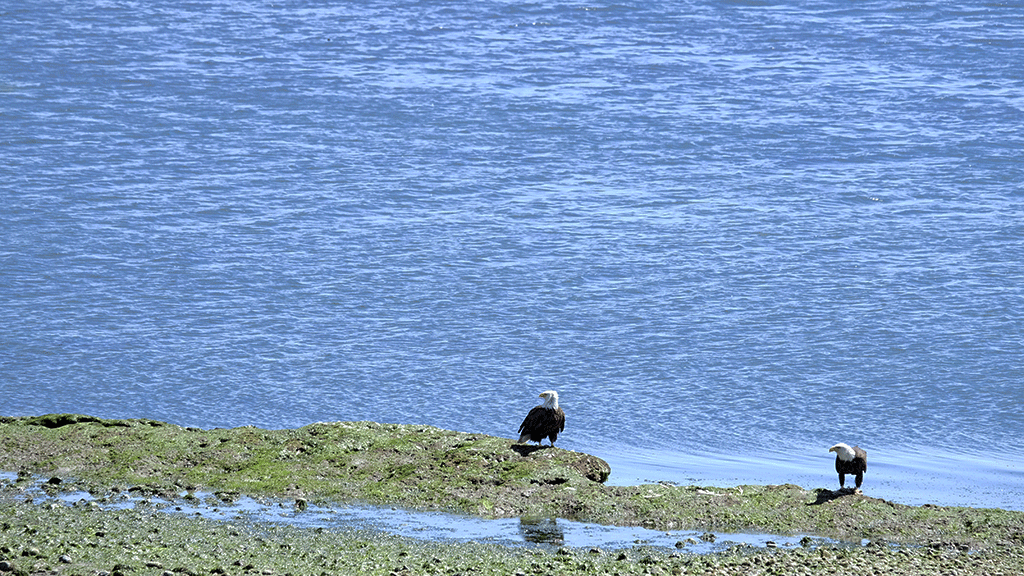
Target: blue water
x,y
730,234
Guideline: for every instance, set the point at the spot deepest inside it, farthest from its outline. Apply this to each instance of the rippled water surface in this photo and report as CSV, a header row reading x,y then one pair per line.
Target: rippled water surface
x,y
730,234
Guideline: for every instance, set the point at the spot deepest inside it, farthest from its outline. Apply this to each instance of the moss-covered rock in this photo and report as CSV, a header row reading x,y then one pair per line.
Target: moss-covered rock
x,y
417,466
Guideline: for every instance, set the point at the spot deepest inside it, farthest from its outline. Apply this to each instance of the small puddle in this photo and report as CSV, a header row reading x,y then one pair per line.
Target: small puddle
x,y
431,526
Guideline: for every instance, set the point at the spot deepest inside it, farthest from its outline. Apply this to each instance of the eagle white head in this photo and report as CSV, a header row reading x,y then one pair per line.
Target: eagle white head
x,y
843,451
551,399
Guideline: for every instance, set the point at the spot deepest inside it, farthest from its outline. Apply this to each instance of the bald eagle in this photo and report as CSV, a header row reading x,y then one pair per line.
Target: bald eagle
x,y
850,461
544,421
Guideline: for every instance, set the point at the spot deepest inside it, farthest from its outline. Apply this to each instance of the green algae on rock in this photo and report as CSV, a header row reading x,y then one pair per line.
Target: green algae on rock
x,y
409,465
429,468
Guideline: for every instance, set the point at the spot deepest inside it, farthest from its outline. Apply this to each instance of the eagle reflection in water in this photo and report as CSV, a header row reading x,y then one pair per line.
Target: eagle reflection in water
x,y
541,531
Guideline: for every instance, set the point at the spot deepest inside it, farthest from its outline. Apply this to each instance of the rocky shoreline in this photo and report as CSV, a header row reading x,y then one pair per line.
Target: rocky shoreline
x,y
426,468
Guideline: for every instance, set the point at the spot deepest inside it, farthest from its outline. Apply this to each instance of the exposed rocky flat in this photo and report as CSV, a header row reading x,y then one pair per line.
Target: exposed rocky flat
x,y
427,468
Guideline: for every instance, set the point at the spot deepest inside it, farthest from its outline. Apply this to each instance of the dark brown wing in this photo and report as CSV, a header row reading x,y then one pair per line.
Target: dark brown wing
x,y
542,422
860,458
534,421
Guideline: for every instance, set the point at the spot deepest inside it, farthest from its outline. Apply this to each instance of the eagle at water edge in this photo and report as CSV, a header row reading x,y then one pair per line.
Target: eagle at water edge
x,y
544,421
850,461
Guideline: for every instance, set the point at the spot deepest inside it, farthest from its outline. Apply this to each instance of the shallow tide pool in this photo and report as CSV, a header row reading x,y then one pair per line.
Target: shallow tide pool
x,y
540,532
